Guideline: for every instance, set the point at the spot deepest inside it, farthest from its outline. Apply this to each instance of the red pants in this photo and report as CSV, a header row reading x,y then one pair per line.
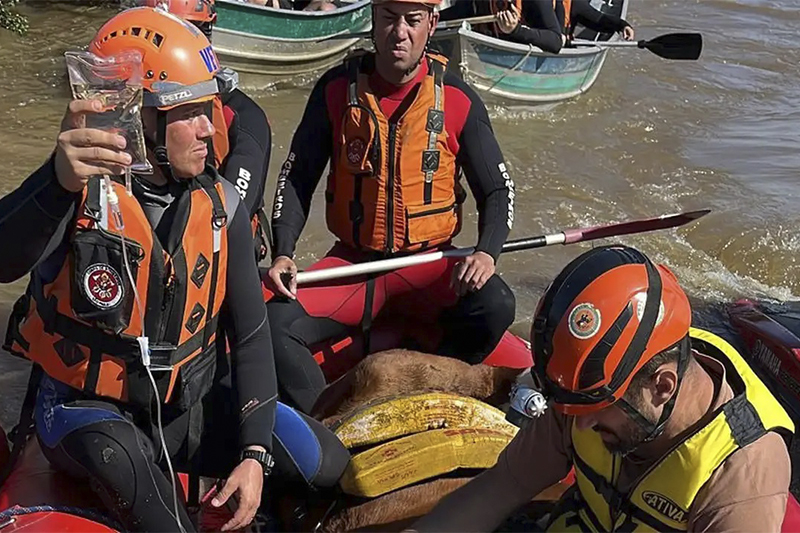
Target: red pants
x,y
417,298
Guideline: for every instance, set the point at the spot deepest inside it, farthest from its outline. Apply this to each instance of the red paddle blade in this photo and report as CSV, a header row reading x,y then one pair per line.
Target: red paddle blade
x,y
636,226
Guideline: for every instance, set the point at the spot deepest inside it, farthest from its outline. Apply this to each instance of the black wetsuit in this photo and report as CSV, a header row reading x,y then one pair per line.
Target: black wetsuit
x,y
583,13
539,27
113,444
247,162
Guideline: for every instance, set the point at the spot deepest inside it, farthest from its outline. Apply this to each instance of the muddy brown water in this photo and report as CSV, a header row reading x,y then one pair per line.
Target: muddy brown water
x,y
651,137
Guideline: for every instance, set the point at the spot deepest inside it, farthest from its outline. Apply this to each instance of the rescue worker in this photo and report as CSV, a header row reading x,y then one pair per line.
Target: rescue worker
x,y
397,130
120,316
582,12
242,140
525,22
666,426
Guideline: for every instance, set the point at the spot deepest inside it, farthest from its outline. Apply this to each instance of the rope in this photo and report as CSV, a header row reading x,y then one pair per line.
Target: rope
x,y
514,68
76,511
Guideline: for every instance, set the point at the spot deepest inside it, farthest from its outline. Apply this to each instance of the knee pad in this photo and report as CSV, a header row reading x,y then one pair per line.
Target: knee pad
x,y
502,304
304,447
110,456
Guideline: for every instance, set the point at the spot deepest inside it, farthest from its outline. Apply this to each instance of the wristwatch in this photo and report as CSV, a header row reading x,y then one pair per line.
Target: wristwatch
x,y
264,459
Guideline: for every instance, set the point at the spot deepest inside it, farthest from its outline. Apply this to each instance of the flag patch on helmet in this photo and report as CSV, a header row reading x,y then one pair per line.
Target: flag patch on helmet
x,y
210,59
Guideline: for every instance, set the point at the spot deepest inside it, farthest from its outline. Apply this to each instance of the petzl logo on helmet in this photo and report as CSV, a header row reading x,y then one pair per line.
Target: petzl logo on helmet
x,y
102,286
584,321
663,505
640,300
210,59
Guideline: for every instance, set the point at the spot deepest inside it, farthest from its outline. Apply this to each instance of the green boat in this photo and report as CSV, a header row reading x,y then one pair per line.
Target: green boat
x,y
280,42
512,72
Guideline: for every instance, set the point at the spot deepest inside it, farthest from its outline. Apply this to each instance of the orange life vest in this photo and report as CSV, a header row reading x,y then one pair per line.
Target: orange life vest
x,y
567,15
82,325
220,141
394,183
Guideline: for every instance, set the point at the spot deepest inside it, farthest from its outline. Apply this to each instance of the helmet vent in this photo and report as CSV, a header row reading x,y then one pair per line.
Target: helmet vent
x,y
157,39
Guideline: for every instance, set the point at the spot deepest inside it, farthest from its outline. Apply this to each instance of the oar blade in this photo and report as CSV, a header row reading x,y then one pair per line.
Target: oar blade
x,y
687,46
641,226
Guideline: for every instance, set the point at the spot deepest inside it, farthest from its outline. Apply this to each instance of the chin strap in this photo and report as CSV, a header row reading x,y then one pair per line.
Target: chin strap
x,y
159,147
657,428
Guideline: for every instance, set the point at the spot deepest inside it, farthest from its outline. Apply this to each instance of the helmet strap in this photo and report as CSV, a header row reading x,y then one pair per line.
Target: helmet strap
x,y
656,429
210,157
159,148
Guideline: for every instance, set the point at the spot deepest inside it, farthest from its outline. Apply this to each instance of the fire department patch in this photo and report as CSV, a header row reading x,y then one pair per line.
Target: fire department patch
x,y
584,321
102,286
356,149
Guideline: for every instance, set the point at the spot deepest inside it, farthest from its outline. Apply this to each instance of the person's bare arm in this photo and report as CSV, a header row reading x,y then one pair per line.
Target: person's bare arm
x,y
536,459
480,505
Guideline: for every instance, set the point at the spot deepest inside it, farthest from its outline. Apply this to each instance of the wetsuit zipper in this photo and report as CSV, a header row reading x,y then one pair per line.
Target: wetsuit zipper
x,y
166,305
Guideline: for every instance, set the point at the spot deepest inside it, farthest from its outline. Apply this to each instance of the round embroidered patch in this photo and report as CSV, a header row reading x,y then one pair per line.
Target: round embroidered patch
x,y
356,149
640,299
102,285
584,321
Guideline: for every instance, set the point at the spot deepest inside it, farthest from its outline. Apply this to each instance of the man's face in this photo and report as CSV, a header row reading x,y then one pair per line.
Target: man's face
x,y
401,30
188,128
619,432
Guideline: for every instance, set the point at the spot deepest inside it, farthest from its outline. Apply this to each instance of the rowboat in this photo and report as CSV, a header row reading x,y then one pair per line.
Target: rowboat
x,y
279,42
514,72
37,499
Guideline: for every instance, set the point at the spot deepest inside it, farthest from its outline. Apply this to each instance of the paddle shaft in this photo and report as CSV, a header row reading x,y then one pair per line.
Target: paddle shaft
x,y
610,44
441,26
564,237
669,46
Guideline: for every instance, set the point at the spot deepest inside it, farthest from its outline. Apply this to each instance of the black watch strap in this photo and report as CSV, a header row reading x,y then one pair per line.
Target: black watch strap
x,y
264,459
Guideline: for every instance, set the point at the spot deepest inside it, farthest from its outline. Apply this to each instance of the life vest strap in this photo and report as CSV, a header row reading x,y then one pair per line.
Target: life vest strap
x,y
434,127
92,207
616,500
742,418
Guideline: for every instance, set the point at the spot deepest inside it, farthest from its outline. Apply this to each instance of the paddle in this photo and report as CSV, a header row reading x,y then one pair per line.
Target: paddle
x,y
441,26
669,46
569,236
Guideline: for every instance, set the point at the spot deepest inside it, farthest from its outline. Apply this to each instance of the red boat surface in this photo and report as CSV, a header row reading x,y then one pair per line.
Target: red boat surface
x,y
37,499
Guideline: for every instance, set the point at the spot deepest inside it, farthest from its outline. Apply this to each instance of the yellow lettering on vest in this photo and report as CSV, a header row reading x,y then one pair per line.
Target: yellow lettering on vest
x,y
664,505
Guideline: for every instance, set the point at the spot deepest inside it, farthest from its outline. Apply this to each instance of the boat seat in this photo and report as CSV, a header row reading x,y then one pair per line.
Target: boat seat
x,y
34,482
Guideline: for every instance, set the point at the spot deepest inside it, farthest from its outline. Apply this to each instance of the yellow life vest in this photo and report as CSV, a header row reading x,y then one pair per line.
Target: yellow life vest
x,y
662,498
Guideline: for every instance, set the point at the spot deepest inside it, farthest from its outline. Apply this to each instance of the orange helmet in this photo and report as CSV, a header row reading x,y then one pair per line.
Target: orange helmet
x,y
191,10
602,319
178,61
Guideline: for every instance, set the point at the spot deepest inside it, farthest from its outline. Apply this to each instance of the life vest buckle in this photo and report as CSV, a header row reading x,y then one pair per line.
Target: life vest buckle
x,y
430,163
220,220
435,122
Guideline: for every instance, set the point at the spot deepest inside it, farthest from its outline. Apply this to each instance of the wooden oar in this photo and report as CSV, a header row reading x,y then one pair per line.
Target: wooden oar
x,y
669,46
569,236
441,26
